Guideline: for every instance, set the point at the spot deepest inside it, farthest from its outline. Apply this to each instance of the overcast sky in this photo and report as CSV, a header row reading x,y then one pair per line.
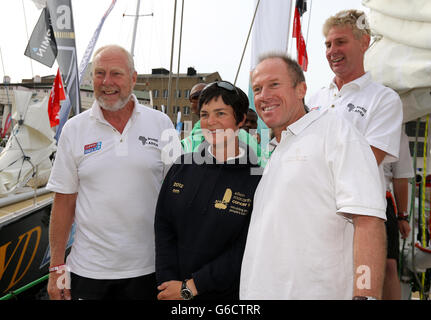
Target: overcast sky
x,y
214,35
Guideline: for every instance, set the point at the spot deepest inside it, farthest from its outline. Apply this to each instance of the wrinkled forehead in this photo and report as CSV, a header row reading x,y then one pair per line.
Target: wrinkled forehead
x,y
111,58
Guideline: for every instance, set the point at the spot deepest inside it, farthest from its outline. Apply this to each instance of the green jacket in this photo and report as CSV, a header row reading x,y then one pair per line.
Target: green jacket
x,y
192,142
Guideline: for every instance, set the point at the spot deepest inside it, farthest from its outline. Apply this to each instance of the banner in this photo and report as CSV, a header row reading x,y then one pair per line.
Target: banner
x,y
42,45
90,47
60,12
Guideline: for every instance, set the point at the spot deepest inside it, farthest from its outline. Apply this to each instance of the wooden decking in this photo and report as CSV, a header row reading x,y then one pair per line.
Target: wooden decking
x,y
24,205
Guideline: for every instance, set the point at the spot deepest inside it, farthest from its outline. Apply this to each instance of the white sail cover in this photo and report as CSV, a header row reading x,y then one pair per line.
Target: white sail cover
x,y
400,58
27,152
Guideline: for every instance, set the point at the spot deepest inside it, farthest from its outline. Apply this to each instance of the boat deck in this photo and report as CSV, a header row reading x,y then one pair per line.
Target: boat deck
x,y
14,209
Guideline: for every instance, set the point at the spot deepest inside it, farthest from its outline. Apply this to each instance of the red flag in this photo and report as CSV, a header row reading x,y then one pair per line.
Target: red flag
x,y
6,125
297,33
57,94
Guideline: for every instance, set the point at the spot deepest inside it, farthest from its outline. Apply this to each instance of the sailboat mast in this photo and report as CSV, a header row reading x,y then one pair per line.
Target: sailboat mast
x,y
135,26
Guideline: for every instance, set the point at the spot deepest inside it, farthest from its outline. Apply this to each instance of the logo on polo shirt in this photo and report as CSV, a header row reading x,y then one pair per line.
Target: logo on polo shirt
x,y
150,141
352,108
92,147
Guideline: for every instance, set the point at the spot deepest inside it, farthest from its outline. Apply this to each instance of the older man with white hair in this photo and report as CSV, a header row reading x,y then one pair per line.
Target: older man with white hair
x,y
107,174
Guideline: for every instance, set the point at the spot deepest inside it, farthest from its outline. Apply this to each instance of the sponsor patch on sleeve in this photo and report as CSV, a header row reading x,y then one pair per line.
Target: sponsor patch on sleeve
x,y
92,147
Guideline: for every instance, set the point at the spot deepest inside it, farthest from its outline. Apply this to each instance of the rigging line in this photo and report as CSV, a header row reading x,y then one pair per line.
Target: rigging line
x,y
413,196
172,56
179,52
24,156
309,20
246,42
415,274
2,62
423,218
4,74
26,32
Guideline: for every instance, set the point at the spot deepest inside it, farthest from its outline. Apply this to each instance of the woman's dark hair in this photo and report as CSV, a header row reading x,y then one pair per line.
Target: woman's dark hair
x,y
231,96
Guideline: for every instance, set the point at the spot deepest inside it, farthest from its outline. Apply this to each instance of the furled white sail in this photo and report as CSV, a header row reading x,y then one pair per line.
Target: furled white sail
x,y
25,159
400,58
417,10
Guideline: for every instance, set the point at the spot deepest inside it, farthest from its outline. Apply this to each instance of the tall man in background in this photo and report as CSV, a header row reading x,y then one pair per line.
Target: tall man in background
x,y
375,110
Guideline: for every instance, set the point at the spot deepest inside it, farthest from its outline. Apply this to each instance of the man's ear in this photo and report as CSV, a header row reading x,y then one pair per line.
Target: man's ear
x,y
301,90
365,42
134,78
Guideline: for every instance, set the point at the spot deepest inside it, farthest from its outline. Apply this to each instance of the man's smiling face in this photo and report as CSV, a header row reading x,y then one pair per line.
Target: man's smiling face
x,y
112,79
345,53
277,101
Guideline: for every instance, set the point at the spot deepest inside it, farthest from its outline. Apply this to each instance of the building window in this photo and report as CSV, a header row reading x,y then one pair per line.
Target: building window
x,y
155,93
178,93
176,109
187,93
186,110
419,149
165,93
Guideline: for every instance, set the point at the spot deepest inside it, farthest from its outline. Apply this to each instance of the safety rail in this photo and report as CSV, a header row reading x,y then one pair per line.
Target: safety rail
x,y
14,293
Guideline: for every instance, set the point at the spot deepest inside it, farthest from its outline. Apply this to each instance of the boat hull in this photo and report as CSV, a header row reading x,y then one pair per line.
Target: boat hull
x,y
24,248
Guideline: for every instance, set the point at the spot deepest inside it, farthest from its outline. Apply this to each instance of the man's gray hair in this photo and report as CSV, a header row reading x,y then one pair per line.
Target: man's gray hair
x,y
130,61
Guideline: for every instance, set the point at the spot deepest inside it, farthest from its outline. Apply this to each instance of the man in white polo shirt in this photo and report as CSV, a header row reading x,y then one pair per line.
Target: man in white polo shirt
x,y
317,226
107,174
375,110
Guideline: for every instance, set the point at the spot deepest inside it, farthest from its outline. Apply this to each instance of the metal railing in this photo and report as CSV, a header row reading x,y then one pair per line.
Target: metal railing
x,y
14,293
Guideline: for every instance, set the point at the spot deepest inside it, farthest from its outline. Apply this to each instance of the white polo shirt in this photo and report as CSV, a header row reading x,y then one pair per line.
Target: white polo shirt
x,y
117,178
375,110
300,244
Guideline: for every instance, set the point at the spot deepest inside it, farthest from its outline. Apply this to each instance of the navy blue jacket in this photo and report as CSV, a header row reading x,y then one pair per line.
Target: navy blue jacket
x,y
202,218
